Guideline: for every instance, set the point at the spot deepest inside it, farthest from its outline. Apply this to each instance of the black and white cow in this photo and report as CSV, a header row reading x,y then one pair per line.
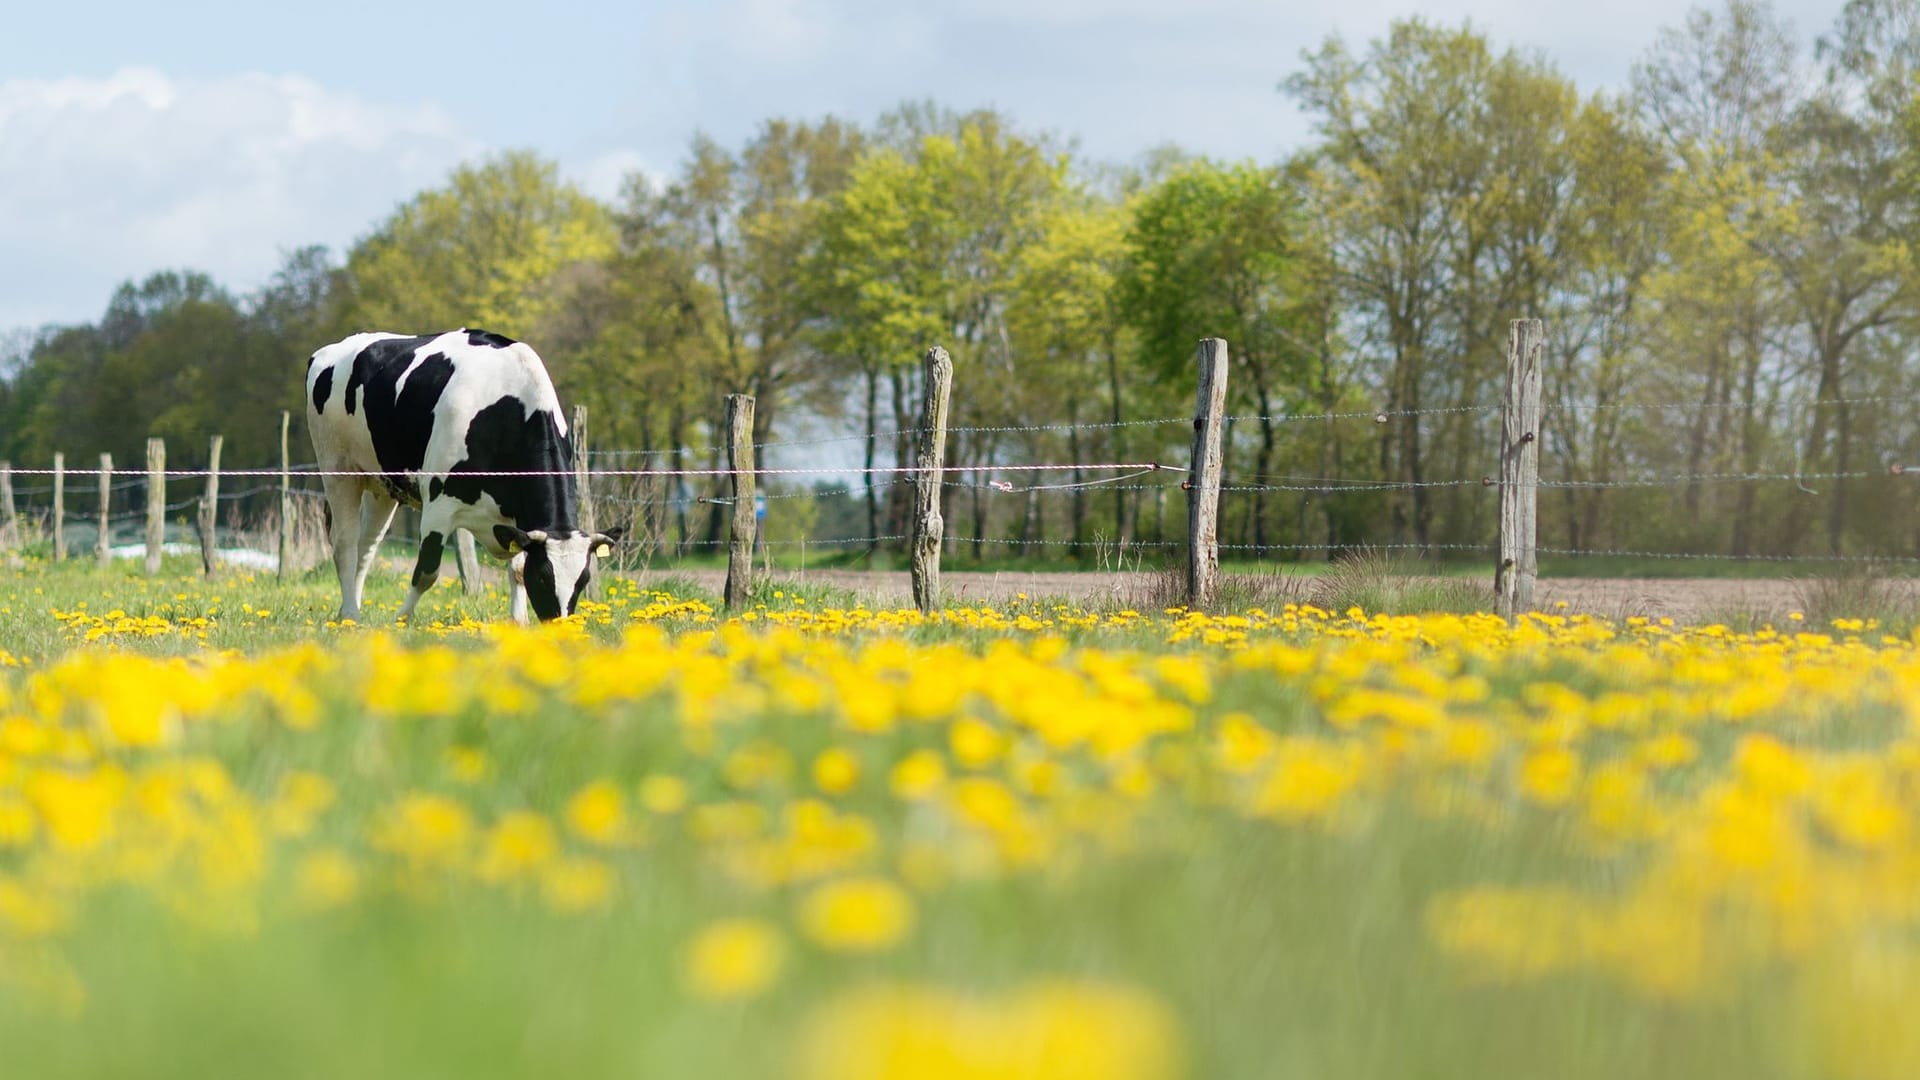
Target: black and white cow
x,y
423,420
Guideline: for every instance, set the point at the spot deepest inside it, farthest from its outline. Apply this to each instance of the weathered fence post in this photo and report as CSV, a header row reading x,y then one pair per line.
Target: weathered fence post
x,y
1203,476
1519,470
103,541
286,500
740,466
929,456
209,516
59,507
583,484
156,502
10,523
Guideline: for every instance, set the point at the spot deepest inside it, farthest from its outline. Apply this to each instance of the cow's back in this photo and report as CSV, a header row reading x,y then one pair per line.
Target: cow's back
x,y
396,405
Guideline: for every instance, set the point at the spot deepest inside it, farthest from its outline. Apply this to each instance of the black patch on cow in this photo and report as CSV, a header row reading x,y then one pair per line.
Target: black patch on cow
x,y
322,389
503,438
427,570
537,575
486,339
399,417
434,487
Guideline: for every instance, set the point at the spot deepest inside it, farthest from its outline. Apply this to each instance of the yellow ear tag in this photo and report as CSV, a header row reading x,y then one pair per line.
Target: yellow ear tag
x,y
514,548
601,551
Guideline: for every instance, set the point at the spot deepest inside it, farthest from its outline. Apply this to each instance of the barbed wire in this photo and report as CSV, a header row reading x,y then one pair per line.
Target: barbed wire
x,y
871,470
1334,485
1709,557
1711,406
1689,478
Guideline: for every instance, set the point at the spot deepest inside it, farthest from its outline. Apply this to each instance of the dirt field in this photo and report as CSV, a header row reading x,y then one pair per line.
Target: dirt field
x,y
1683,599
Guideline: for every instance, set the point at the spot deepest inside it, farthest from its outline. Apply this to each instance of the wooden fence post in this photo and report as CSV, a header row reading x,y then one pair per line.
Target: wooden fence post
x,y
103,540
59,507
583,485
1203,476
210,509
156,502
929,455
740,464
10,523
581,482
1513,574
286,500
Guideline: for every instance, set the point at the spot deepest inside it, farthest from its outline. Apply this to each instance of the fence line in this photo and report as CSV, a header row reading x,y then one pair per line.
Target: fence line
x,y
1706,557
1143,466
1321,484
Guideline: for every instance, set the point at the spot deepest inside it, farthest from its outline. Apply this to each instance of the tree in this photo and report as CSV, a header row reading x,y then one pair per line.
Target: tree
x,y
1840,243
1444,176
921,248
484,251
1212,255
1713,91
1066,316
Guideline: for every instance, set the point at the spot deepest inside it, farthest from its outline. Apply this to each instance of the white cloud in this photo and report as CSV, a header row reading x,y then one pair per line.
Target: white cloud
x,y
604,175
109,179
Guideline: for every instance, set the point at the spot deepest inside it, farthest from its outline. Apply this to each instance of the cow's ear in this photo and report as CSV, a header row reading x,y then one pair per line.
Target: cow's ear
x,y
511,538
602,542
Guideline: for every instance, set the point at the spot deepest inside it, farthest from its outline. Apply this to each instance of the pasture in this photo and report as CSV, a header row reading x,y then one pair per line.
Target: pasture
x,y
1018,838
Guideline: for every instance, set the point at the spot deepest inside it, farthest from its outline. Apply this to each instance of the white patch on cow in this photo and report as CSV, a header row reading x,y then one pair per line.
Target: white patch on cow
x,y
570,556
342,443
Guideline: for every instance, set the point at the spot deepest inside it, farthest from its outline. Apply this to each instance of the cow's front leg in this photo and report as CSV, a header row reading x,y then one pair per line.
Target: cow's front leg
x,y
516,573
436,524
426,571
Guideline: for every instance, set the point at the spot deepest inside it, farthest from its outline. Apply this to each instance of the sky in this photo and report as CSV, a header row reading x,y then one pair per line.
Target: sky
x,y
220,135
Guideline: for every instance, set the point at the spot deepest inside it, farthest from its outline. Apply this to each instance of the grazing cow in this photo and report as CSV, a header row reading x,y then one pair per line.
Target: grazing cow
x,y
424,420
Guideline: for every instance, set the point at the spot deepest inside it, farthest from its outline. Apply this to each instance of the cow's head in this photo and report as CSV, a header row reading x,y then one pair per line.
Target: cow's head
x,y
554,568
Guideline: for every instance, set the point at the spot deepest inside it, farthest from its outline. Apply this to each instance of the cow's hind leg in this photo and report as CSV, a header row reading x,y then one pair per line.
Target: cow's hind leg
x,y
376,513
343,530
436,524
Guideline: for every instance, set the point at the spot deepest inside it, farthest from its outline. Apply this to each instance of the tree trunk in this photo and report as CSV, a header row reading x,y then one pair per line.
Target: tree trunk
x,y
897,502
1743,513
1079,504
677,431
1262,468
873,492
1118,442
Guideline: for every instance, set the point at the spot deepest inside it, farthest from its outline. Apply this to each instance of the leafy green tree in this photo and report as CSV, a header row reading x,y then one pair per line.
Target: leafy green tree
x,y
922,248
1840,242
483,251
1212,255
1443,175
1713,90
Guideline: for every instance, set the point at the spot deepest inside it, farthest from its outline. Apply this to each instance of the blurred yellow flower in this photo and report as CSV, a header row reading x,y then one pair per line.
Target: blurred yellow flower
x,y
835,770
1044,1031
857,915
597,813
734,958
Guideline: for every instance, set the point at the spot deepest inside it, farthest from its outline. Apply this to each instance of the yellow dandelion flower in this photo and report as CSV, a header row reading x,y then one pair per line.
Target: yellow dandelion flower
x,y
835,771
857,915
597,813
572,886
732,959
663,794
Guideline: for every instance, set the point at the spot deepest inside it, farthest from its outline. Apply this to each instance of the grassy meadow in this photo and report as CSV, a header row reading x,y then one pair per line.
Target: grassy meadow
x,y
1028,840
